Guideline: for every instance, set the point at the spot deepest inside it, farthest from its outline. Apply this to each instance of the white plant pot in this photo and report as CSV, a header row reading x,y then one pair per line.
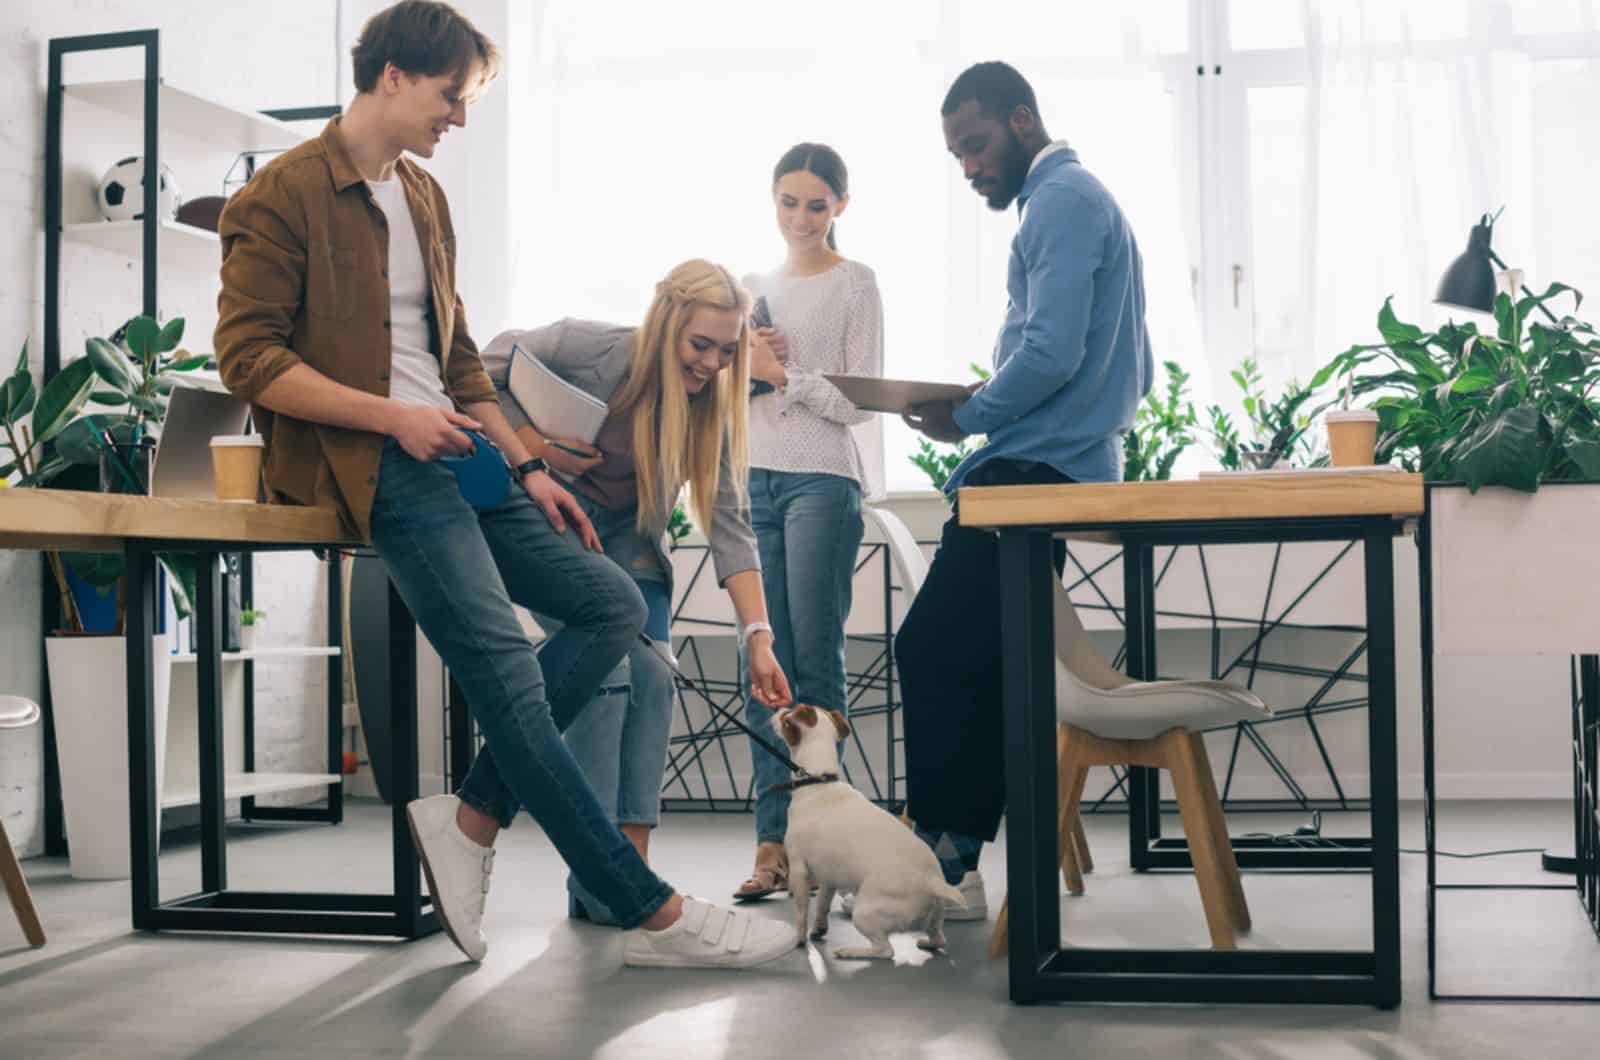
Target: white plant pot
x,y
89,697
247,638
1514,573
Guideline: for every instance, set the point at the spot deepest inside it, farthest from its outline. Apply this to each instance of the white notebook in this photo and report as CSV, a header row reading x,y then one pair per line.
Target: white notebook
x,y
556,407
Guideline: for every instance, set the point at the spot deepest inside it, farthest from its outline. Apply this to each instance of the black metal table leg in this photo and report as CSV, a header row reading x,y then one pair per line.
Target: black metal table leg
x,y
1041,969
1029,707
403,777
208,688
1378,547
1139,630
143,799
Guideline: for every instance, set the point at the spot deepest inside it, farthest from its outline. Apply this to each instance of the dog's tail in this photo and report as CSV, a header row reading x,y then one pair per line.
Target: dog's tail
x,y
946,892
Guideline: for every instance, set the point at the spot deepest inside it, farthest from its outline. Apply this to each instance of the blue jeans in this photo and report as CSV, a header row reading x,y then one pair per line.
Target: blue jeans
x,y
808,527
620,738
459,571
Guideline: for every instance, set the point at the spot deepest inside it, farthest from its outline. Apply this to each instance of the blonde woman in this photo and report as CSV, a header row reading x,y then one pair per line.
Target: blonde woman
x,y
676,388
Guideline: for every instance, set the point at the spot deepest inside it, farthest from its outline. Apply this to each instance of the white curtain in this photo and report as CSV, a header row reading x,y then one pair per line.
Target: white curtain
x,y
1342,156
1418,117
646,134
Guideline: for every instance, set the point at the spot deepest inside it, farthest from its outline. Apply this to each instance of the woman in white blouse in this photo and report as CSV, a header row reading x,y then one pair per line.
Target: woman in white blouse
x,y
806,470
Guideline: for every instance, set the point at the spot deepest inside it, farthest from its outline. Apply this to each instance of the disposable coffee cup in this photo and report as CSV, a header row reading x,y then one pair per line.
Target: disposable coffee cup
x,y
236,466
1352,437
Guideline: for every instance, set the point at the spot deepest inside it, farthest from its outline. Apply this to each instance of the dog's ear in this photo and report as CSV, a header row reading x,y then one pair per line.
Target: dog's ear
x,y
789,728
840,723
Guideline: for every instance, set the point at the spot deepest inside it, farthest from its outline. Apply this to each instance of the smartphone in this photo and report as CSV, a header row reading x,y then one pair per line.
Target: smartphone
x,y
761,317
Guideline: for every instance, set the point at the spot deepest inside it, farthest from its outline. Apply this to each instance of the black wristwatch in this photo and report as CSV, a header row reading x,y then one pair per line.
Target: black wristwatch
x,y
526,468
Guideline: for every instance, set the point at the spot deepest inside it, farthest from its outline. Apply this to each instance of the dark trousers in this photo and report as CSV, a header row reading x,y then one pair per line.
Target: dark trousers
x,y
949,656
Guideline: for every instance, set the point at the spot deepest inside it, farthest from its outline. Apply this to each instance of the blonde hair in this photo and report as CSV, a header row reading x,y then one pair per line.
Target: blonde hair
x,y
678,437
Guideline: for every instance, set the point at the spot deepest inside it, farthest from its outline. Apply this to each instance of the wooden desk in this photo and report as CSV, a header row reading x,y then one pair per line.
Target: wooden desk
x,y
140,528
1369,508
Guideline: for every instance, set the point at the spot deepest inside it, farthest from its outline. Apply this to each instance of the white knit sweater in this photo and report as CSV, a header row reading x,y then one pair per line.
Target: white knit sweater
x,y
833,322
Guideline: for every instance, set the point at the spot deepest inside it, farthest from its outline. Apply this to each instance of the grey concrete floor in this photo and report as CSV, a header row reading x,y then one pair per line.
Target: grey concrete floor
x,y
551,988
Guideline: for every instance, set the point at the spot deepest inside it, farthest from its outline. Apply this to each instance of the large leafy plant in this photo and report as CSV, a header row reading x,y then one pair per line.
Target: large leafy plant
x,y
1163,427
1513,408
50,441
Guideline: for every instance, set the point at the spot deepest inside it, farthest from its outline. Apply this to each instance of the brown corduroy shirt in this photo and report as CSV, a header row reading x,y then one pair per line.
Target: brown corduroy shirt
x,y
305,280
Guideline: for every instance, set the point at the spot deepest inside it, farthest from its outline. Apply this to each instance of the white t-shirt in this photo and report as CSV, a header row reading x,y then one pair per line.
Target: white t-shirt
x,y
414,376
833,322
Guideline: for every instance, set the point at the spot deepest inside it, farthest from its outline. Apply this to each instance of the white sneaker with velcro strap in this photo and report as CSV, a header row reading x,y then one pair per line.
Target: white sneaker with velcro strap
x,y
457,869
709,936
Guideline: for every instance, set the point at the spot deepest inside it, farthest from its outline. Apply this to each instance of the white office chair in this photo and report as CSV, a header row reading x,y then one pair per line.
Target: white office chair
x,y
18,713
1108,718
904,552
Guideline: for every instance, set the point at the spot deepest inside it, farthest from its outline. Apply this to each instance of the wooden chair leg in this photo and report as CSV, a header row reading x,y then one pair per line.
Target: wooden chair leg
x,y
1072,781
1219,829
998,945
17,890
1080,839
1200,832
1066,812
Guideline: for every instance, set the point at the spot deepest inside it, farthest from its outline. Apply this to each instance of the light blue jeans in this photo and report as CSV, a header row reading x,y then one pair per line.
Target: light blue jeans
x,y
809,528
459,571
620,738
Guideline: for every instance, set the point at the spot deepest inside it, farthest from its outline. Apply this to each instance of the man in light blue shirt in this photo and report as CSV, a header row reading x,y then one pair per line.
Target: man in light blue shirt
x,y
1070,365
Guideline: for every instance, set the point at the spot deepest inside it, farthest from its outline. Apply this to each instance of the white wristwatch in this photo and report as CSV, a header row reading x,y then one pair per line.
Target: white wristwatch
x,y
754,627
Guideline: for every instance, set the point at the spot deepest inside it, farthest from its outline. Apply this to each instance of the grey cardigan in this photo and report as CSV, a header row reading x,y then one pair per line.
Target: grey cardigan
x,y
593,356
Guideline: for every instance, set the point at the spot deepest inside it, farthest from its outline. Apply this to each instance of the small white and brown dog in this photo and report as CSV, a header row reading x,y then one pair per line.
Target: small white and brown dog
x,y
840,841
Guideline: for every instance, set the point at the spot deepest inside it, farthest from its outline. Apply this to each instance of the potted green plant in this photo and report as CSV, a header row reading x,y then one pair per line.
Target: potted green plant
x,y
1512,408
249,625
47,440
1163,427
1492,419
1272,433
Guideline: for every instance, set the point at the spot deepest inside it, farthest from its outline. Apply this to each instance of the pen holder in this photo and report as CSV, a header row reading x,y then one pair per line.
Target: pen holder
x,y
125,466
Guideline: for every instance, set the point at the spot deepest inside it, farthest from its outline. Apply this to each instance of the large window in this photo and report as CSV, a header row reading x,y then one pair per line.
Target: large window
x,y
1285,165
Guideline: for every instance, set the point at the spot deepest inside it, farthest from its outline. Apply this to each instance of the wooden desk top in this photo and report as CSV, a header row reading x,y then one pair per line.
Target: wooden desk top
x,y
1319,495
101,522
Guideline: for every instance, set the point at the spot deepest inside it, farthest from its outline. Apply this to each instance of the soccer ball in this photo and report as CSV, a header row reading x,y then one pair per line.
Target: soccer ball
x,y
121,192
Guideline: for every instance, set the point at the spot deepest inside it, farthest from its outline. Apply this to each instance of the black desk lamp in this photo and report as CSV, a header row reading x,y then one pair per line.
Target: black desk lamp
x,y
1469,284
1469,281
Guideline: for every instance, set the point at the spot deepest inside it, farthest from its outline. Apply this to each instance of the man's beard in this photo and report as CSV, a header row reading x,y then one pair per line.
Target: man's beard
x,y
1014,171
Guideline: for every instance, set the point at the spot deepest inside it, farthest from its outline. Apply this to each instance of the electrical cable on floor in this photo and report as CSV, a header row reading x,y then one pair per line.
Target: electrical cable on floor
x,y
1310,837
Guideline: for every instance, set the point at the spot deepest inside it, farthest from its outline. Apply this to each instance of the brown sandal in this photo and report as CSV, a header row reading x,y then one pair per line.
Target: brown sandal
x,y
771,874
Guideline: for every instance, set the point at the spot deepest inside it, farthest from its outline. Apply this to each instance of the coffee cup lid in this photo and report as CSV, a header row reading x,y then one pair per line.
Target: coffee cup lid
x,y
224,441
1351,416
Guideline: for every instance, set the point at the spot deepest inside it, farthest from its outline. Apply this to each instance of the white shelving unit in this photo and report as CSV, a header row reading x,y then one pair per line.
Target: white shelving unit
x,y
179,246
286,652
189,115
191,126
246,785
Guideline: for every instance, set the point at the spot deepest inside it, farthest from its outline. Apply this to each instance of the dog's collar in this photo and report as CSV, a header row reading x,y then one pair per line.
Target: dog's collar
x,y
804,780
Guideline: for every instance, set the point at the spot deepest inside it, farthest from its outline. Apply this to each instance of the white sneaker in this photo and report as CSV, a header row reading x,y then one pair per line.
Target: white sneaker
x,y
971,888
709,936
457,869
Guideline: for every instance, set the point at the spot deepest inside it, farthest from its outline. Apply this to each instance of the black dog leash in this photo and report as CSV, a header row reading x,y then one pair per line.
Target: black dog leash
x,y
802,776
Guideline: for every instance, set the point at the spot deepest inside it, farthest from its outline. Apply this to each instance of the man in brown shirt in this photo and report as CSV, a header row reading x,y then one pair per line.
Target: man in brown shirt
x,y
339,321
